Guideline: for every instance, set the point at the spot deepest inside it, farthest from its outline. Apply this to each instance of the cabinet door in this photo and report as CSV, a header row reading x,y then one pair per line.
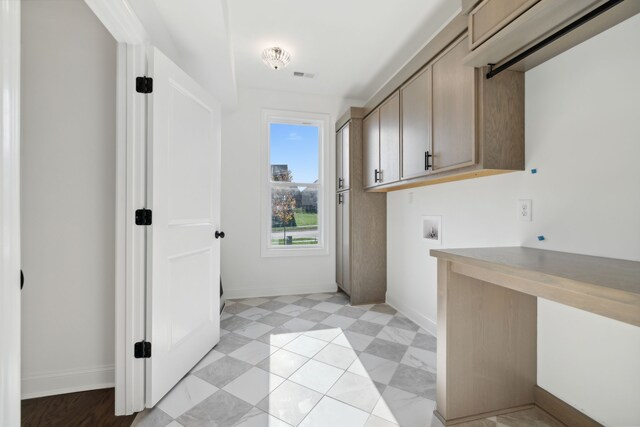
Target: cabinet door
x,y
346,243
491,16
390,139
339,239
339,161
454,142
416,125
371,149
345,157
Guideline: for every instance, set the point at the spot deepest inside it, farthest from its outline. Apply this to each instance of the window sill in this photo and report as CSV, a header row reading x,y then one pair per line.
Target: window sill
x,y
293,252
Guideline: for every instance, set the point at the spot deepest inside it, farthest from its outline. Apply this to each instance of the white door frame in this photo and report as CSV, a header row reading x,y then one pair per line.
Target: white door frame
x,y
125,27
9,213
119,19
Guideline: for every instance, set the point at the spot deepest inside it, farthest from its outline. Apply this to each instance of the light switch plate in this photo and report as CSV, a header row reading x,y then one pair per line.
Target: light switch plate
x,y
524,209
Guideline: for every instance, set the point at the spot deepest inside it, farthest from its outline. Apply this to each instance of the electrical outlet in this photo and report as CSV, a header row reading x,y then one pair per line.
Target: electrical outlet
x,y
524,209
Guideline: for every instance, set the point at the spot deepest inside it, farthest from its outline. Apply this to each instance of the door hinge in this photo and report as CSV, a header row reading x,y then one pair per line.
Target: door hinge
x,y
144,84
142,350
143,217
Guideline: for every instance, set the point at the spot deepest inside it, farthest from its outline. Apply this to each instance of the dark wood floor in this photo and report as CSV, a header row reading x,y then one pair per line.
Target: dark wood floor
x,y
88,408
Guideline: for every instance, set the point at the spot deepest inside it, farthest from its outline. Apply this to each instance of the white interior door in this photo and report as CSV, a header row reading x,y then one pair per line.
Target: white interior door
x,y
183,296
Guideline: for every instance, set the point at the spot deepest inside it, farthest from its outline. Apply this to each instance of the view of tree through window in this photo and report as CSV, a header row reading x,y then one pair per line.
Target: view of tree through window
x,y
294,160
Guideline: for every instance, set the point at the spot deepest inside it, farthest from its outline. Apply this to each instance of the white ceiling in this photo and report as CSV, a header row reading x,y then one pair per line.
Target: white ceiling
x,y
194,34
352,46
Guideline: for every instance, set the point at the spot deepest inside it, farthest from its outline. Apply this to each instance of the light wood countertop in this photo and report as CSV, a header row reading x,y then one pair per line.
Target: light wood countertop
x,y
606,286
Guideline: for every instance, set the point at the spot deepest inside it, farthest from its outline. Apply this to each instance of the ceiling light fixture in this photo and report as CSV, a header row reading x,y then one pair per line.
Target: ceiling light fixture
x,y
276,57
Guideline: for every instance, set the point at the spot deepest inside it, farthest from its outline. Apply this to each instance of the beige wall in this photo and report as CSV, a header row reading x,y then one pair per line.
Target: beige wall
x,y
68,198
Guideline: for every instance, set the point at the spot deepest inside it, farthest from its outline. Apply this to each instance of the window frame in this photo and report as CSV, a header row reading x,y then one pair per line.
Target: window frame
x,y
295,118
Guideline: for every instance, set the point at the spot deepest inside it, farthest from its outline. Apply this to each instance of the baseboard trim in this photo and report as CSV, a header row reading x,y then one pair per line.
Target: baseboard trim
x,y
261,291
480,416
69,381
415,316
561,410
558,409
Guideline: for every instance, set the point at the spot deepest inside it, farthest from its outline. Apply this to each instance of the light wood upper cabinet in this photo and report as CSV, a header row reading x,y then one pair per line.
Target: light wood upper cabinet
x,y
339,161
416,124
454,124
371,149
346,162
342,159
490,16
390,140
454,109
500,29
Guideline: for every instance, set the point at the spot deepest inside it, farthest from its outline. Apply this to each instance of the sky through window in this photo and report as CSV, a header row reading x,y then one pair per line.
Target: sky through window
x,y
297,147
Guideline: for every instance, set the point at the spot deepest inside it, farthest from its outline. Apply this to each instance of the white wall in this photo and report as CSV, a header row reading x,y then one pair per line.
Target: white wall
x,y
244,271
583,136
68,198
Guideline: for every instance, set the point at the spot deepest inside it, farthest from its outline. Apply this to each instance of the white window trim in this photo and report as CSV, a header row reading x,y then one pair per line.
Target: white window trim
x,y
324,196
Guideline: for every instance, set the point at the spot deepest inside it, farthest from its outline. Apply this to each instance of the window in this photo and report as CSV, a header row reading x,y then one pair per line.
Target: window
x,y
294,211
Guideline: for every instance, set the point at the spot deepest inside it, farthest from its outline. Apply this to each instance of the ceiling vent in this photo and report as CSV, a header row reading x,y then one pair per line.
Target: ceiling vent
x,y
301,74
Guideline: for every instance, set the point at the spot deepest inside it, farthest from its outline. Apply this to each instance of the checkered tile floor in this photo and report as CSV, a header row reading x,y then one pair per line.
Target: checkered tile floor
x,y
313,360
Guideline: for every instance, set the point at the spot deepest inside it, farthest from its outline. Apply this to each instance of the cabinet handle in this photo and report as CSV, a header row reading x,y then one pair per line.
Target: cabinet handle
x,y
427,166
377,176
340,182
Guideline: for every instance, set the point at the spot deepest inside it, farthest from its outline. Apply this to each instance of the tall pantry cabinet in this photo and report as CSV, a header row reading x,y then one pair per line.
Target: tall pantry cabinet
x,y
361,219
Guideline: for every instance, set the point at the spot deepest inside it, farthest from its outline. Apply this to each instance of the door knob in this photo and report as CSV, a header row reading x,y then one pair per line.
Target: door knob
x,y
219,234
